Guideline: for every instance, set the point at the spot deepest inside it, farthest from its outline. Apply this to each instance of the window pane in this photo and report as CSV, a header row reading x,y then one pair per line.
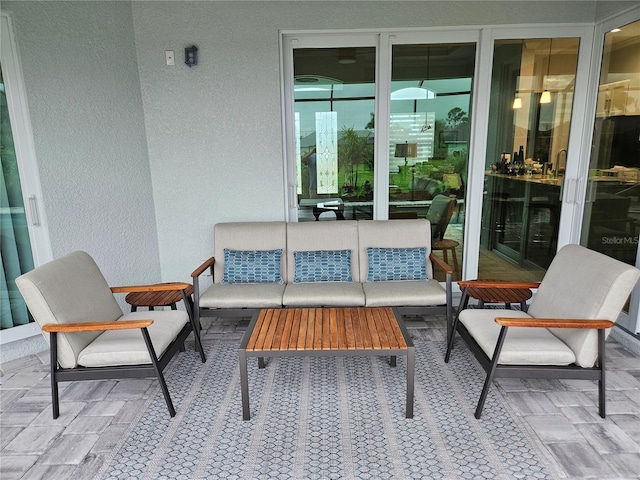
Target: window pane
x,y
529,120
334,94
612,208
429,138
15,248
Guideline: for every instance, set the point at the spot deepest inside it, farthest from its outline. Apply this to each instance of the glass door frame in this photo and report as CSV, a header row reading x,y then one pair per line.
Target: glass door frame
x,y
479,133
631,321
383,41
580,131
27,165
289,42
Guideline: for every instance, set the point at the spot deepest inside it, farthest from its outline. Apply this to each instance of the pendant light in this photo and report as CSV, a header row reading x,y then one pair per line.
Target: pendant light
x,y
546,95
517,101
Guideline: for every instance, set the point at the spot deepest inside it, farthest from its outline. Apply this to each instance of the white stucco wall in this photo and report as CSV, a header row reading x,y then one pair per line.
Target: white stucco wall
x,y
83,91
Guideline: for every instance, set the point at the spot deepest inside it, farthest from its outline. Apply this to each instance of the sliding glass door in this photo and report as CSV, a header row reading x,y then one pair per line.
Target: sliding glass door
x,y
24,241
532,94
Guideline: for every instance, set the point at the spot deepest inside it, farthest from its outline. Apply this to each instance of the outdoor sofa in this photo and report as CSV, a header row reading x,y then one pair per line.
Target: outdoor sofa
x,y
321,264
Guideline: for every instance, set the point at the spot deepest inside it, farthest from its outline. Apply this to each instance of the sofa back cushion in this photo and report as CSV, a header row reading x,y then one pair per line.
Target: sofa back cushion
x,y
70,289
582,283
398,234
247,236
317,236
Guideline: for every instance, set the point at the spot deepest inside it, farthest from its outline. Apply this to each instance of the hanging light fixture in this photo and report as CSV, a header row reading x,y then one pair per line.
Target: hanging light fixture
x,y
546,95
517,101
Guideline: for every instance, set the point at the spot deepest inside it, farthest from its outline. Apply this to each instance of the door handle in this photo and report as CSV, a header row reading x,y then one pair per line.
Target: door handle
x,y
33,211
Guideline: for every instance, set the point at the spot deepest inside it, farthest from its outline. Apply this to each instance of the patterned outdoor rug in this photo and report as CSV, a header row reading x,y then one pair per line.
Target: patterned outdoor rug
x,y
328,418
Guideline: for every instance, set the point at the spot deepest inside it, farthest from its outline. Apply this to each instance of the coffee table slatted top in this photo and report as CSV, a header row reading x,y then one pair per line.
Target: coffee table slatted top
x,y
300,329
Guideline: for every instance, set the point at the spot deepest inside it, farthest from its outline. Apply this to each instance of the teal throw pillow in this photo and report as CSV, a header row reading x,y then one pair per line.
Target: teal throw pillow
x,y
252,266
322,266
386,264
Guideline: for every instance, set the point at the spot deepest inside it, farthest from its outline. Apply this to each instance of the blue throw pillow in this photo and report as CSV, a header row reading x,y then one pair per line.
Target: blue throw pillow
x,y
252,266
322,266
387,264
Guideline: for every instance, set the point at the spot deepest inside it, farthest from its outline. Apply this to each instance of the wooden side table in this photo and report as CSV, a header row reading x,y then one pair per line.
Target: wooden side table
x,y
167,298
519,293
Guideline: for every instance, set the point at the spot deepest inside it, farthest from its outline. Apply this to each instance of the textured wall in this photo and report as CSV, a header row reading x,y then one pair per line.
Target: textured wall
x,y
83,90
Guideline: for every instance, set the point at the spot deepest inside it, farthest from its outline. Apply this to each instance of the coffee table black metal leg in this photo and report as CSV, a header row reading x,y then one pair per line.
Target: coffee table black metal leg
x,y
411,365
244,384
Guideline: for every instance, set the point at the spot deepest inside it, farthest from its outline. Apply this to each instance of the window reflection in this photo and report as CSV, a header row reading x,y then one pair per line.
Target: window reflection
x,y
530,116
612,207
334,93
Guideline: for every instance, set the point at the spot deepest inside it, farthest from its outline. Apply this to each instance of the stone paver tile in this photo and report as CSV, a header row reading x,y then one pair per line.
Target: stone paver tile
x,y
69,449
104,408
553,428
15,466
85,425
24,380
7,397
7,434
30,362
608,438
580,460
85,391
130,411
625,464
33,440
68,412
582,414
50,472
622,406
531,403
629,423
18,418
131,389
634,396
570,399
89,467
621,380
110,437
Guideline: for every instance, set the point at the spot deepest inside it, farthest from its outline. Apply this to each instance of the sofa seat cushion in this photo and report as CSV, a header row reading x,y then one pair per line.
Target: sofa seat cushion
x,y
243,295
523,346
127,347
404,293
323,294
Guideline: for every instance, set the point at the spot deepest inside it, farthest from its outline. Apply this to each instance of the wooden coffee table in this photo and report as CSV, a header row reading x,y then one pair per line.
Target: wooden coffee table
x,y
362,331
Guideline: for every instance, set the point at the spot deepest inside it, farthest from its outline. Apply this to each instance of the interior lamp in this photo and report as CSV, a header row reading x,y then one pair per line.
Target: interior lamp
x,y
408,150
517,103
191,56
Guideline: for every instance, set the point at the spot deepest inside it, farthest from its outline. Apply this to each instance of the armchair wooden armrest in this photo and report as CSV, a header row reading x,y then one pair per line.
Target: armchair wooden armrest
x,y
554,323
158,287
496,284
95,326
444,267
200,270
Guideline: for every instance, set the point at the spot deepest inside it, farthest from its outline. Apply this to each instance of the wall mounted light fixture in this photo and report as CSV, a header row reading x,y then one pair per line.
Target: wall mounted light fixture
x,y
191,56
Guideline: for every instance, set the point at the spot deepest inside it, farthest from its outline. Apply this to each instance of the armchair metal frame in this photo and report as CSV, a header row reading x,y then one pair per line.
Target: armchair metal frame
x,y
496,370
154,369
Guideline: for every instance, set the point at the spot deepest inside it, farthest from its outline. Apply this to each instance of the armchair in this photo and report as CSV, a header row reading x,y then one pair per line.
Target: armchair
x,y
562,335
89,337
